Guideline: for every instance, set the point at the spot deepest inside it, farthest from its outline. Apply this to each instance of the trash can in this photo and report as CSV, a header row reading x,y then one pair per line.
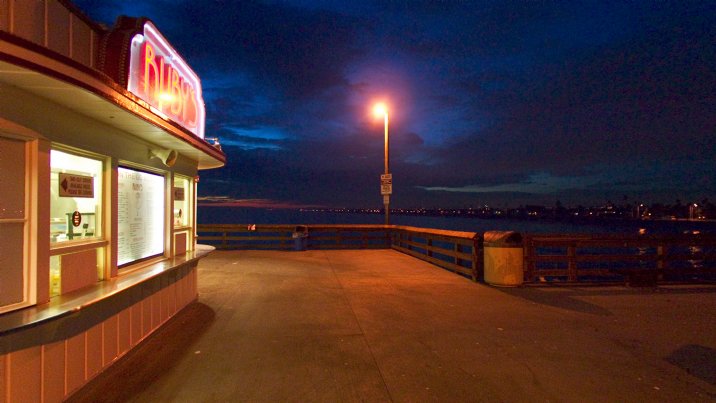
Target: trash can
x,y
300,238
504,260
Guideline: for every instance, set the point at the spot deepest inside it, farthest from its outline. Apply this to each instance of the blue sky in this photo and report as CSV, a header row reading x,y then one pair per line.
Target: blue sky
x,y
498,102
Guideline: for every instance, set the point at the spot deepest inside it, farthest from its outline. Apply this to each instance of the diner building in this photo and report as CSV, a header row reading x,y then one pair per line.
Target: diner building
x,y
101,142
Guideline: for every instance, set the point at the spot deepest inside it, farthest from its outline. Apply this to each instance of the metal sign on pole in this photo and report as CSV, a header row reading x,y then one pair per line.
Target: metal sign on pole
x,y
386,184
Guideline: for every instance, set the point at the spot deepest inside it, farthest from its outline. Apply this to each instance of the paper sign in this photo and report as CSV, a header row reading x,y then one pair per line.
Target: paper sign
x,y
76,186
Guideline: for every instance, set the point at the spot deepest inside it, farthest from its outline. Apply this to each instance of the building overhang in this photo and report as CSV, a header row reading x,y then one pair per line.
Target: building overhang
x,y
90,92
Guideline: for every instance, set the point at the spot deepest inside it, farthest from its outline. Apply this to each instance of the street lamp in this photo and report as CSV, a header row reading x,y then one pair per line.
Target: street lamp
x,y
386,180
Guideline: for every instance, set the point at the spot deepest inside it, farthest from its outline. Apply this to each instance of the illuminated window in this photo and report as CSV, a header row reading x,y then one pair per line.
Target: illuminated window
x,y
75,222
76,197
140,214
182,201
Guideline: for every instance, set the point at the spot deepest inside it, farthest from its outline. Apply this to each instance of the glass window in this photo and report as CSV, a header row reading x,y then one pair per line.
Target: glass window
x,y
76,197
182,201
140,214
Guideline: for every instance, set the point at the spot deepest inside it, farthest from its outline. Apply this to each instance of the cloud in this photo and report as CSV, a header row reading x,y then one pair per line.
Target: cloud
x,y
225,201
498,99
541,183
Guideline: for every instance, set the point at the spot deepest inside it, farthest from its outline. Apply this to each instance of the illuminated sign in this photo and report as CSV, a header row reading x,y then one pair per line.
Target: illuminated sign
x,y
158,75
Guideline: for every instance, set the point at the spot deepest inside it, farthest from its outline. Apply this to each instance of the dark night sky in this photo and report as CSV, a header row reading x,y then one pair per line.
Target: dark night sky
x,y
499,102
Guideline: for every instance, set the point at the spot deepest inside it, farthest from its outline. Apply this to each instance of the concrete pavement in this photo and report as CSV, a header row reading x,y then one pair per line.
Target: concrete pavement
x,y
335,326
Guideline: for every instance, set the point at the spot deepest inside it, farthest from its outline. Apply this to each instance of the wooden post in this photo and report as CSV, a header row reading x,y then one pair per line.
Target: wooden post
x,y
428,249
571,265
223,240
475,261
527,253
457,249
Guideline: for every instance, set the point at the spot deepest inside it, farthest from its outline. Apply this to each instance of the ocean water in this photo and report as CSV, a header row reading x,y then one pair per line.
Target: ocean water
x,y
242,215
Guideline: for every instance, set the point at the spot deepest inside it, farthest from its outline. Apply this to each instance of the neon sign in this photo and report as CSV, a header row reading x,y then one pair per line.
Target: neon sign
x,y
158,75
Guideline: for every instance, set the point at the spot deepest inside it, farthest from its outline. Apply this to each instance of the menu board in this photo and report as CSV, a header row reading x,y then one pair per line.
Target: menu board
x,y
140,211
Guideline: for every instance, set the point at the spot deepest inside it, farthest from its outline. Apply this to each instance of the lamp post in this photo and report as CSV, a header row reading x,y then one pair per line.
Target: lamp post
x,y
386,180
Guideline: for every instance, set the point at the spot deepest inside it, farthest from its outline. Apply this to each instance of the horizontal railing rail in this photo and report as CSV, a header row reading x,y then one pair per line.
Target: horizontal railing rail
x,y
618,258
457,251
245,236
292,237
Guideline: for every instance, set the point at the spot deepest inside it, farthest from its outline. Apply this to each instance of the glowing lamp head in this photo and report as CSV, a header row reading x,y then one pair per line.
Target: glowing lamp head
x,y
380,110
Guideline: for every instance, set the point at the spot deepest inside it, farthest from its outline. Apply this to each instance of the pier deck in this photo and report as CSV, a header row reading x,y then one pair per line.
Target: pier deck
x,y
379,325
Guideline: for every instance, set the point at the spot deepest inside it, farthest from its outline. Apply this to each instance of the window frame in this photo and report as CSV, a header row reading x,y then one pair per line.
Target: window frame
x,y
99,242
166,217
29,220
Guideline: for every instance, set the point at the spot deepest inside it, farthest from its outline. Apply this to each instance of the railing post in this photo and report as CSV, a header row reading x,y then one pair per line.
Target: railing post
x,y
571,263
223,240
475,258
661,264
456,249
428,249
528,251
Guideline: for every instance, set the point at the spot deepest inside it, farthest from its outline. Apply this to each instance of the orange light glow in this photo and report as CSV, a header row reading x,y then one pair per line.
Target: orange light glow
x,y
380,110
166,97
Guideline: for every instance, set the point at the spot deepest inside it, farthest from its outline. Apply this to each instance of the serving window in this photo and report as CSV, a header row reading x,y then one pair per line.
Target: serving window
x,y
75,197
77,244
183,196
140,213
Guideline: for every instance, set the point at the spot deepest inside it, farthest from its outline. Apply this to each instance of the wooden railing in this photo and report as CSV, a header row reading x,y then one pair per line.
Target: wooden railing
x,y
456,251
635,259
547,258
284,236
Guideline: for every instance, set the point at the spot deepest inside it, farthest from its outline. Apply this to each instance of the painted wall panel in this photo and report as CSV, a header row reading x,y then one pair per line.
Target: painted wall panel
x,y
75,364
78,270
81,42
29,20
58,25
3,373
146,316
5,26
110,340
180,243
53,376
156,310
173,299
137,327
124,334
165,303
25,372
94,351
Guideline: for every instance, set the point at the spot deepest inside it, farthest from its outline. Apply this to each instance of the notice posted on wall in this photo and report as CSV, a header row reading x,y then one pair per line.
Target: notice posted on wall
x,y
140,210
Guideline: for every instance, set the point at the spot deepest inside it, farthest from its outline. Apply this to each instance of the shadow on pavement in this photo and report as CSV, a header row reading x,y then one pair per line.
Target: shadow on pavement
x,y
566,297
563,299
153,357
699,361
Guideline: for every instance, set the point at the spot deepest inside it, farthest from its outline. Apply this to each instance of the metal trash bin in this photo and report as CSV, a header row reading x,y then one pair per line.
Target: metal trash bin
x,y
504,258
300,238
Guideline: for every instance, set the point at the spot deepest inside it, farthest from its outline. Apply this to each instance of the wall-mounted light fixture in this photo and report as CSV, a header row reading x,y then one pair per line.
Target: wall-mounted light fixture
x,y
167,156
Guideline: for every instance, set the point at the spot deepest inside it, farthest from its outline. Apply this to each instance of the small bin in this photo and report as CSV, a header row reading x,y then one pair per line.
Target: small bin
x,y
504,259
300,238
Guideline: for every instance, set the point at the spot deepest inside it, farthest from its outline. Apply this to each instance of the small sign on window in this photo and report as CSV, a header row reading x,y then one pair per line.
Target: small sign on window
x,y
178,194
76,186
